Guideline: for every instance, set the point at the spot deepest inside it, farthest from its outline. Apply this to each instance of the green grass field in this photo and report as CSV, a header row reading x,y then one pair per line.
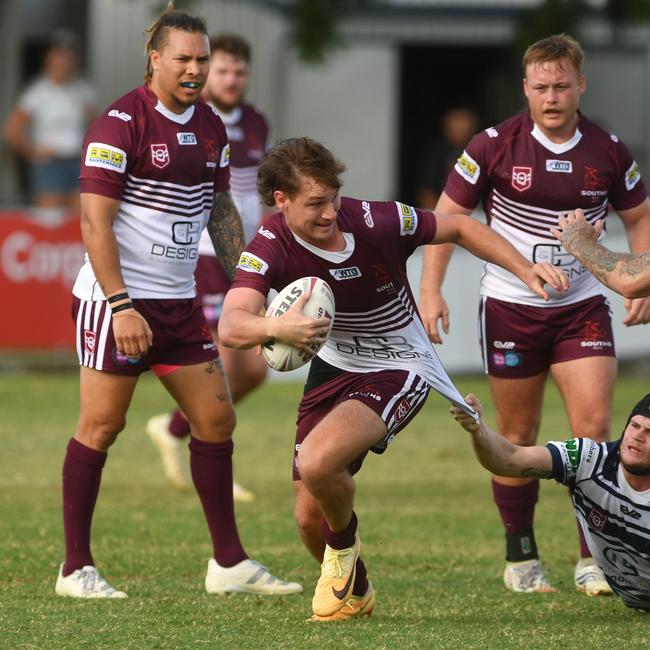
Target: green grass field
x,y
432,539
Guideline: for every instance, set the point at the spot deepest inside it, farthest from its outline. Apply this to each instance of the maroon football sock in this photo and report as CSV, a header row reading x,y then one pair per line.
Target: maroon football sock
x,y
584,549
211,465
179,426
82,474
343,538
361,579
516,504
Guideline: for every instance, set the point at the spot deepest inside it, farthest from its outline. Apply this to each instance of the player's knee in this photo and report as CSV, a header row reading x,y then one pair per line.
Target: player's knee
x,y
308,517
98,432
315,470
216,429
524,436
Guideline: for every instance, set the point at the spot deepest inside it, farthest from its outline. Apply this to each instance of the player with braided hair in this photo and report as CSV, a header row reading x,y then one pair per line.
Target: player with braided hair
x,y
154,173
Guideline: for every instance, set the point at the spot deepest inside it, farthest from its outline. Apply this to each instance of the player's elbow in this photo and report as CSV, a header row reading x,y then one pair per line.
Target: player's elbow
x,y
638,287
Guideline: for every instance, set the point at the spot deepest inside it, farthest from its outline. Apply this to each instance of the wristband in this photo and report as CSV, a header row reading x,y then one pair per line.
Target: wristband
x,y
122,307
117,297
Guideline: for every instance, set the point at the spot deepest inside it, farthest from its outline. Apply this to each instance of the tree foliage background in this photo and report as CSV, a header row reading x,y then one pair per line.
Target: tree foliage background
x,y
315,23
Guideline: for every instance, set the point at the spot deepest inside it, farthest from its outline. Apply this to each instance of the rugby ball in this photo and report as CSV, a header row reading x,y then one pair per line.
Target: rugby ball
x,y
283,356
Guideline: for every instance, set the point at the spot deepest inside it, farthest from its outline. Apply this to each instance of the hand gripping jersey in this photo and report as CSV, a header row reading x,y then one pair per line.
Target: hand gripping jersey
x,y
526,182
248,133
614,518
376,324
164,169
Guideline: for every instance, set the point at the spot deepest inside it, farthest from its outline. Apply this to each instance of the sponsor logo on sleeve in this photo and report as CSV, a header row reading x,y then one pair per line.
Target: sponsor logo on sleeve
x,y
265,233
408,219
632,176
367,215
492,132
348,273
159,155
522,178
252,263
562,166
224,161
186,138
120,115
468,168
103,155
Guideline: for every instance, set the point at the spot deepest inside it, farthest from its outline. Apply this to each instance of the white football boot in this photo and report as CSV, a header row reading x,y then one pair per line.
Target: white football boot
x,y
589,578
248,577
85,583
526,577
170,448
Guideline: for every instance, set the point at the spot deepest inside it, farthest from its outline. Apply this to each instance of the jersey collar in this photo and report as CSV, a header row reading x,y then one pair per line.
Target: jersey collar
x,y
336,257
183,118
555,147
229,118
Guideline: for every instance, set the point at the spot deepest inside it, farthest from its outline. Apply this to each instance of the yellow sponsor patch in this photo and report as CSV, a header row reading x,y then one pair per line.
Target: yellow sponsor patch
x,y
468,168
632,176
107,156
408,219
252,263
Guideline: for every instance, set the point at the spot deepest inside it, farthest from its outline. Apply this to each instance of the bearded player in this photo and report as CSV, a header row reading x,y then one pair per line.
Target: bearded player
x,y
247,129
528,171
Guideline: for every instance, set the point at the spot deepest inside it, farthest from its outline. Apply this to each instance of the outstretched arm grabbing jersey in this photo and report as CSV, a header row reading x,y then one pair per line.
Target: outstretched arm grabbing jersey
x,y
496,453
625,273
485,243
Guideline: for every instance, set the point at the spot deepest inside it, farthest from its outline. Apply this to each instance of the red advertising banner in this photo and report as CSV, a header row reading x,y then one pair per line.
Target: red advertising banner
x,y
38,266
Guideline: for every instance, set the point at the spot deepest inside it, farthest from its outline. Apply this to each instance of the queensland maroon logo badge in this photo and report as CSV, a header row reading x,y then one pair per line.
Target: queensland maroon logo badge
x,y
159,155
402,410
522,177
596,520
89,341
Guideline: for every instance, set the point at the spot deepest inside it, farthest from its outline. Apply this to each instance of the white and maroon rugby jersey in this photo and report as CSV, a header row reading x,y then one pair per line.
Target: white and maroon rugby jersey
x,y
248,133
614,517
526,181
376,323
164,169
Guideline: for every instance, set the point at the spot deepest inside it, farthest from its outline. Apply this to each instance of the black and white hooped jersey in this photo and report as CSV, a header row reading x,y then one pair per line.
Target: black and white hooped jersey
x,y
614,517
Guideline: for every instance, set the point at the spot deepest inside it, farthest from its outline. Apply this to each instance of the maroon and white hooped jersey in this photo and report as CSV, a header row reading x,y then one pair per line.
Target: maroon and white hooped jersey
x,y
248,133
526,182
164,169
376,323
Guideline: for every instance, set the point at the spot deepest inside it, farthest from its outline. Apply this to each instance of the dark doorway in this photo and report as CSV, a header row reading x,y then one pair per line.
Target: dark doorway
x,y
433,80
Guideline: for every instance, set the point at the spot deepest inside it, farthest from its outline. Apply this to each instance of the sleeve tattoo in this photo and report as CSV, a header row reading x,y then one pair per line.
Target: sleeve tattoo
x,y
603,263
533,472
226,232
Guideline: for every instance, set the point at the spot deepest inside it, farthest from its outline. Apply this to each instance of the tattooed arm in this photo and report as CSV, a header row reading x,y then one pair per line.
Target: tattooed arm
x,y
497,454
625,273
226,231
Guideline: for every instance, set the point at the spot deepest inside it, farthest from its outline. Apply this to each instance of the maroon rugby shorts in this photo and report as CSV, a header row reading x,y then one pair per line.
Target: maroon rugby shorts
x,y
181,337
212,283
395,396
522,341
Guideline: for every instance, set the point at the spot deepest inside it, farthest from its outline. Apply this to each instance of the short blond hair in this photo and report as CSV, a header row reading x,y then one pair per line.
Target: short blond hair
x,y
555,48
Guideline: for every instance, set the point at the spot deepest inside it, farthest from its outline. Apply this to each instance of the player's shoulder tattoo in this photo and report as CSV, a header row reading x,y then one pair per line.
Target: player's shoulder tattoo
x,y
226,231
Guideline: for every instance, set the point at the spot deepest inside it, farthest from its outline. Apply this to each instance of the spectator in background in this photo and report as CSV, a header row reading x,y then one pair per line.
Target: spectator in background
x,y
47,126
457,126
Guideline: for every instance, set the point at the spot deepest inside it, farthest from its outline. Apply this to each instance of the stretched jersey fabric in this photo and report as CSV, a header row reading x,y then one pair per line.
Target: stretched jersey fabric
x,y
164,169
248,133
376,324
526,182
614,517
